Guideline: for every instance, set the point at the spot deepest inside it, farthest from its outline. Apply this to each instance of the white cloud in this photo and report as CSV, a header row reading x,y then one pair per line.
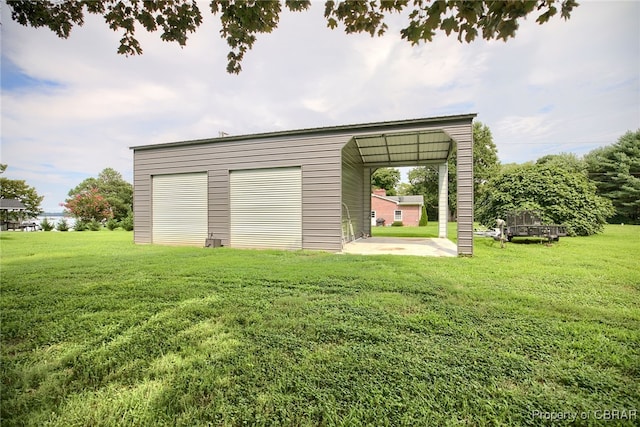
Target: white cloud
x,y
534,127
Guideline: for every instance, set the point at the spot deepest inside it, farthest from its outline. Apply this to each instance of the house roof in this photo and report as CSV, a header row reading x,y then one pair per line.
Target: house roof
x,y
402,200
11,205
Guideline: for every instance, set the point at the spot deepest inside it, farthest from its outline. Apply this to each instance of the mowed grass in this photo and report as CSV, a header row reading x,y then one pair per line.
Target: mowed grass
x,y
99,331
430,230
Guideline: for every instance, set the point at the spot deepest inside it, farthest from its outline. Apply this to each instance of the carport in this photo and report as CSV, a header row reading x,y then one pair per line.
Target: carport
x,y
429,142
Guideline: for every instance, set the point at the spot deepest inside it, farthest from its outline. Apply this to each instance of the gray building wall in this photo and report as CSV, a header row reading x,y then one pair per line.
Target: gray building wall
x,y
366,196
463,135
319,157
352,185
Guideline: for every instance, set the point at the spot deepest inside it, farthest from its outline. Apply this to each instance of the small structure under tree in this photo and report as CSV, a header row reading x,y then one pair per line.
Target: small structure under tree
x,y
11,213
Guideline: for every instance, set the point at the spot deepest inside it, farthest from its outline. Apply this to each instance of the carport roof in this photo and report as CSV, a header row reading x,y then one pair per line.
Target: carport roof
x,y
404,149
428,146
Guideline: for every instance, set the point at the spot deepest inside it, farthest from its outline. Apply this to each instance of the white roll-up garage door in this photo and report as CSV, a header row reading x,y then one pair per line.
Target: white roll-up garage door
x,y
266,208
180,209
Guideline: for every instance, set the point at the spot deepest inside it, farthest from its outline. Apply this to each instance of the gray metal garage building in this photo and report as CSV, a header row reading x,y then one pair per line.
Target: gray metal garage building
x,y
300,189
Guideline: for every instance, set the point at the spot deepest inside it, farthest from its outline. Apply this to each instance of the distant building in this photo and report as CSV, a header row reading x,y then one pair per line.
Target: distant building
x,y
404,209
10,213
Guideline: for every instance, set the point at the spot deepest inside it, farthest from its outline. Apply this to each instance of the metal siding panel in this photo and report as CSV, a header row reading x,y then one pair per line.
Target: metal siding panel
x,y
235,152
366,199
266,208
321,210
226,155
463,135
219,204
269,156
352,192
179,209
141,205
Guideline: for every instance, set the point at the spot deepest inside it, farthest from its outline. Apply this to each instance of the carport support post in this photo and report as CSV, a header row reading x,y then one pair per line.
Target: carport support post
x,y
443,199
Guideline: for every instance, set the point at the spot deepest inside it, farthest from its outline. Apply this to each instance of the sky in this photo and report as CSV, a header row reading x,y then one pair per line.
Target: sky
x,y
70,108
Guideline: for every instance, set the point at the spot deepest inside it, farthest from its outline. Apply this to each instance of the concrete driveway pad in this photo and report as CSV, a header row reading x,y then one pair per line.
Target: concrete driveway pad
x,y
401,246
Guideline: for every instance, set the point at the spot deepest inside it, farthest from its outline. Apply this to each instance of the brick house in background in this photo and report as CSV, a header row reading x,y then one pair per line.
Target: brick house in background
x,y
405,209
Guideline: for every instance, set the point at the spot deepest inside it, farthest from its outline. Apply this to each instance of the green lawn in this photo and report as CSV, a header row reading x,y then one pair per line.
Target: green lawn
x,y
99,331
431,230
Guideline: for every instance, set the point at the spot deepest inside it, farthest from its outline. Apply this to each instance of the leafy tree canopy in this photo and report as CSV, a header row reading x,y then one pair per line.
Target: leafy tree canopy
x,y
243,20
404,189
616,171
18,189
568,161
110,185
485,157
387,178
89,205
560,195
424,180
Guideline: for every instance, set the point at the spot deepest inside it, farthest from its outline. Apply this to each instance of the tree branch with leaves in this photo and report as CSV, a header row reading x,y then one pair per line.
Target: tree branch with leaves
x,y
243,20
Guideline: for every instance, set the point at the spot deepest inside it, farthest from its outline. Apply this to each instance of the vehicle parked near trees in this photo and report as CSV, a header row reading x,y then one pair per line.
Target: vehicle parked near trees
x,y
529,224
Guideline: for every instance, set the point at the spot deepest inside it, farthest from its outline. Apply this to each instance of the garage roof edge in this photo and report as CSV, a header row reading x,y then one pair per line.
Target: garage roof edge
x,y
318,131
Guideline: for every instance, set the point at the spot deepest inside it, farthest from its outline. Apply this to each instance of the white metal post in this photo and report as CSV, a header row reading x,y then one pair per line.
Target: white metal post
x,y
443,199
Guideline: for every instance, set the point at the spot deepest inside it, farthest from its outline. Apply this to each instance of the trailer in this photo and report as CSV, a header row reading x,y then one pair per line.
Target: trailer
x,y
529,224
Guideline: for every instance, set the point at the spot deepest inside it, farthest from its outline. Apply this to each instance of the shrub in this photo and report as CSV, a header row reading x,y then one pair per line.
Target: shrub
x,y
95,225
559,194
424,221
112,224
397,224
81,225
46,224
62,225
127,222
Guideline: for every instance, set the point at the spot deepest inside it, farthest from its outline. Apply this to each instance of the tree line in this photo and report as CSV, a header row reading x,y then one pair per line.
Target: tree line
x,y
583,193
105,199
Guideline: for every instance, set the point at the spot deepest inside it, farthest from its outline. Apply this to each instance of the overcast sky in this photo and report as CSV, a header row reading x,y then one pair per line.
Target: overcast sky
x,y
71,108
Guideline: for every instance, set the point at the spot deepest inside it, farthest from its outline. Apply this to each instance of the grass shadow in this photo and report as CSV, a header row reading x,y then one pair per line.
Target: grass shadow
x,y
529,241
